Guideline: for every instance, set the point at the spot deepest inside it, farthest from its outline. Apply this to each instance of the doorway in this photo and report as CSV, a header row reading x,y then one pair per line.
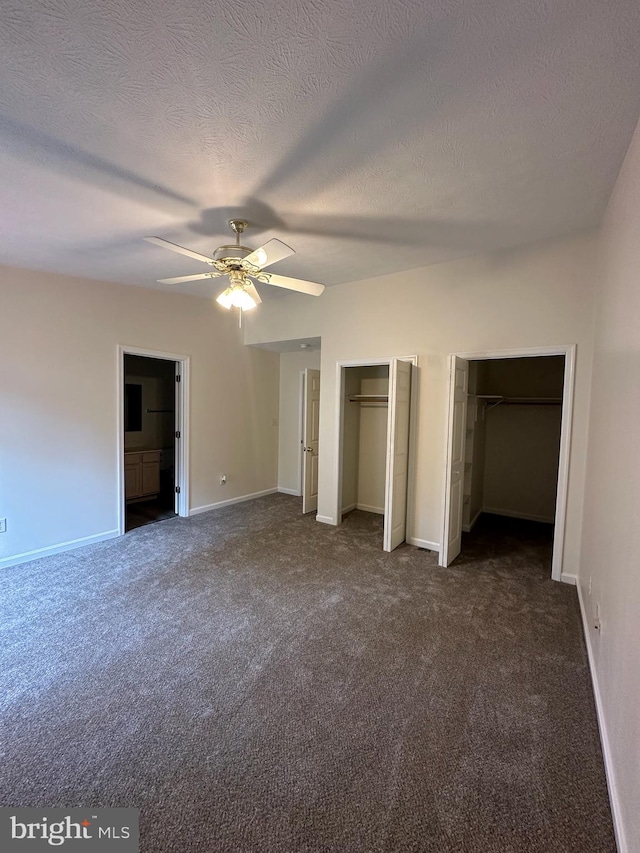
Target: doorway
x,y
374,447
508,447
152,437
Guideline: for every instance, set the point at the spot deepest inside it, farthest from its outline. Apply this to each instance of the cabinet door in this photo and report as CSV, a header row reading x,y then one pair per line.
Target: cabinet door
x,y
150,478
132,480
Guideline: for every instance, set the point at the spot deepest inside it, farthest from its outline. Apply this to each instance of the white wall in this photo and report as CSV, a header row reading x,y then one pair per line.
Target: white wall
x,y
58,425
611,541
289,450
530,297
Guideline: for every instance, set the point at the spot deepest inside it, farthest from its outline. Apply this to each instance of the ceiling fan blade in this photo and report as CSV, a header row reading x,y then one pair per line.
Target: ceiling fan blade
x,y
272,252
252,291
310,287
180,278
165,244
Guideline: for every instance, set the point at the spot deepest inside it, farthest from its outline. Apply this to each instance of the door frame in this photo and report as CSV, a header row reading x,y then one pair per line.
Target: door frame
x,y
568,390
182,425
339,424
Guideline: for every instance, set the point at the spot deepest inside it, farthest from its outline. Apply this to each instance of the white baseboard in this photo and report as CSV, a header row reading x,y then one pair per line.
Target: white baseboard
x,y
350,508
199,509
524,515
366,508
326,519
423,543
295,492
616,811
27,556
565,577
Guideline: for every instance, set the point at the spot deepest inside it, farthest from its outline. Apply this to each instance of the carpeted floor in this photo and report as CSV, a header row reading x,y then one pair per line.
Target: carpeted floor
x,y
255,681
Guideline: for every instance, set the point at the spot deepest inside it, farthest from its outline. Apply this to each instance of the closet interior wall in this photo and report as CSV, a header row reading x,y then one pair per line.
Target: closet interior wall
x,y
364,448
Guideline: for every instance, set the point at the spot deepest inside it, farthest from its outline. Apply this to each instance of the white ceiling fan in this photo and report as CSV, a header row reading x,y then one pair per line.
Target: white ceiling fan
x,y
241,264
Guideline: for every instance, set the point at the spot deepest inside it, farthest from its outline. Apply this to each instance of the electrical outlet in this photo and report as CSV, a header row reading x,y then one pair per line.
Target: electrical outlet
x,y
597,623
223,479
3,525
590,586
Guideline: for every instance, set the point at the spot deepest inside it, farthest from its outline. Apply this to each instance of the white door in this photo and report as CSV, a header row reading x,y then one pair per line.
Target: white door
x,y
454,488
395,500
310,440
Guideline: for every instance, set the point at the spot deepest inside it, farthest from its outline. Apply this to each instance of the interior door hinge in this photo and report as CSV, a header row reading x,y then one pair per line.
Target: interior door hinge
x,y
177,433
177,490
177,377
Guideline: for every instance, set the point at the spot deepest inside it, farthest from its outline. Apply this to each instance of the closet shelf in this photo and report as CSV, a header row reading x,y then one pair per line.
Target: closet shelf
x,y
369,398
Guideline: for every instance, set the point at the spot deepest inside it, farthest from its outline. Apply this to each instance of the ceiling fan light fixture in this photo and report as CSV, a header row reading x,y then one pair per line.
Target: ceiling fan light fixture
x,y
241,264
236,297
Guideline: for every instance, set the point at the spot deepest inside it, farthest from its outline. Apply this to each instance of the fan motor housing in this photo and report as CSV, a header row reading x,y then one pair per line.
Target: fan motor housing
x,y
229,254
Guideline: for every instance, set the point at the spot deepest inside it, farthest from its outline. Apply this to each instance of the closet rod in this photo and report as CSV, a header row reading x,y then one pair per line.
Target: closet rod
x,y
369,398
159,411
496,399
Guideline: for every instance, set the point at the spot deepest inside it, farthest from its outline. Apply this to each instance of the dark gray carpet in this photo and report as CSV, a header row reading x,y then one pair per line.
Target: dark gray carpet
x,y
255,681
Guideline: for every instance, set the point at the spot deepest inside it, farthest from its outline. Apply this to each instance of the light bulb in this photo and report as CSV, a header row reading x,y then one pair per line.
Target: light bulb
x,y
225,298
236,297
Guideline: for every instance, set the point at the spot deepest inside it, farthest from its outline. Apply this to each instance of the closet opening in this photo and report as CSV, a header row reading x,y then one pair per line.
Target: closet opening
x,y
375,413
508,456
364,439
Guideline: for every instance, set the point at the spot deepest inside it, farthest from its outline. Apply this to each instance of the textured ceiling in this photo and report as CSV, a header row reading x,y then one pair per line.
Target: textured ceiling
x,y
371,135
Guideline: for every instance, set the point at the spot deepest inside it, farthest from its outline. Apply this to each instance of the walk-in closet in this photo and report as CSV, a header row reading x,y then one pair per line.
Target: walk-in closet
x,y
512,442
